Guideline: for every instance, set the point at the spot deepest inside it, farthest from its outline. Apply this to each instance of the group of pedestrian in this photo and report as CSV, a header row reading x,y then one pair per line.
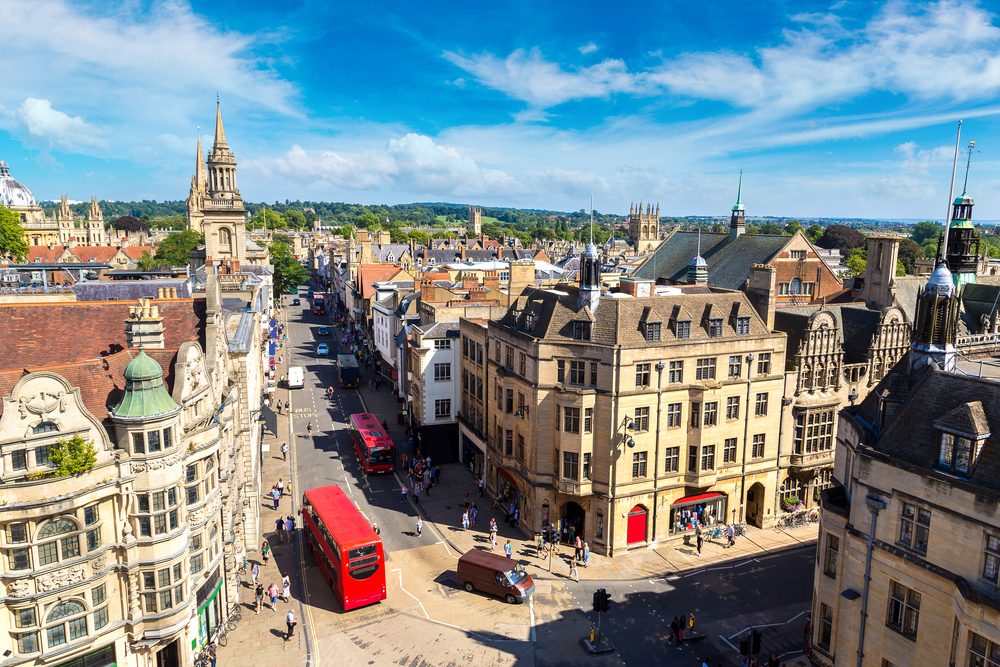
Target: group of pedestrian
x,y
469,514
285,528
421,475
278,492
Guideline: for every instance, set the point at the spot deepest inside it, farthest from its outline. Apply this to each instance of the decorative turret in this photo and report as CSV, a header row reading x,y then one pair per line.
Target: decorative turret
x,y
643,227
697,273
962,253
936,325
145,395
737,221
590,272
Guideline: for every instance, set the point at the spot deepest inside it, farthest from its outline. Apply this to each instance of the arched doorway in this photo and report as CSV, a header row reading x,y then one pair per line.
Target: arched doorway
x,y
573,522
636,529
755,505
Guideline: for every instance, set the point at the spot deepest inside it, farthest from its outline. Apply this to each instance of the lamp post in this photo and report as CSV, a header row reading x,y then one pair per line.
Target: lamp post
x,y
625,428
746,434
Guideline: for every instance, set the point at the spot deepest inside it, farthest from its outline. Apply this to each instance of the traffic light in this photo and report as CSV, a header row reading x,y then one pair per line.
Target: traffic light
x,y
754,642
598,599
745,647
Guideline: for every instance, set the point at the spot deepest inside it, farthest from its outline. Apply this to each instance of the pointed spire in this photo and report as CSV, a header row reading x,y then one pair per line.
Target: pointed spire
x,y
591,219
200,176
220,132
738,206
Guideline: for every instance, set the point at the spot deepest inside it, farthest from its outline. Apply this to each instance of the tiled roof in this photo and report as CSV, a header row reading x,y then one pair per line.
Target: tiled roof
x,y
128,290
967,419
369,274
729,263
48,334
619,321
439,329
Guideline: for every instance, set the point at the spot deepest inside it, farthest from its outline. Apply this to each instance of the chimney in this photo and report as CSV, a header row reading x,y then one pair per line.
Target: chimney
x,y
159,293
762,290
477,294
426,290
879,289
463,252
491,281
144,325
173,292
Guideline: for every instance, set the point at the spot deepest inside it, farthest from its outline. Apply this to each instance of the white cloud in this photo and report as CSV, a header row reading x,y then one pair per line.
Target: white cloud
x,y
58,129
588,48
527,76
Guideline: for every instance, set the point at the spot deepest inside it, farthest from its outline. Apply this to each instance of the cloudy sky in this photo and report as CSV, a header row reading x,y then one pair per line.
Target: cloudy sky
x,y
845,109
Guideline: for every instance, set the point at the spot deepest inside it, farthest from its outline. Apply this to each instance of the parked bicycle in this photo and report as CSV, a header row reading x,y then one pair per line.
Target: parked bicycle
x,y
234,617
717,533
202,660
739,529
221,634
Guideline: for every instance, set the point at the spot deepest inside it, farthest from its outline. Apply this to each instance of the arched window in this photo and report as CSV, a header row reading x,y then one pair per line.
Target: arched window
x,y
64,609
795,286
56,527
225,240
45,427
66,628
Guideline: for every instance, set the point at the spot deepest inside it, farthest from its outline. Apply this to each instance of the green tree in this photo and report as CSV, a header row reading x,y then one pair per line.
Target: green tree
x,y
175,222
926,231
366,220
288,273
900,269
792,226
271,217
149,263
814,233
73,456
770,228
175,250
909,253
397,235
423,238
295,219
856,260
12,243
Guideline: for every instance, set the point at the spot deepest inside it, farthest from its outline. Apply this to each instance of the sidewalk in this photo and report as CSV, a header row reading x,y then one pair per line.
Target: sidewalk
x,y
445,503
259,639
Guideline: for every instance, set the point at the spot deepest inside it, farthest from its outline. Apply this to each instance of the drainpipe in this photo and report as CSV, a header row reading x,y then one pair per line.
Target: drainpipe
x,y
656,449
875,505
746,434
785,402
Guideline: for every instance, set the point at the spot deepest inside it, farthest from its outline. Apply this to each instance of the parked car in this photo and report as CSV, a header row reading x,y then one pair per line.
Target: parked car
x,y
296,302
495,574
322,350
323,331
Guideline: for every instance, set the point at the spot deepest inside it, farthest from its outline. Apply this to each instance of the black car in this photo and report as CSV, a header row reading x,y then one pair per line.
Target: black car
x,y
323,331
296,302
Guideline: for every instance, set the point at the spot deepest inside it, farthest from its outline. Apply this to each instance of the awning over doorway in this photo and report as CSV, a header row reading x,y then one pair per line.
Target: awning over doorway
x,y
697,499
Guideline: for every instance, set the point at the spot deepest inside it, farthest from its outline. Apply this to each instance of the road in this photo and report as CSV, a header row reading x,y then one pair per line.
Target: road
x,y
427,619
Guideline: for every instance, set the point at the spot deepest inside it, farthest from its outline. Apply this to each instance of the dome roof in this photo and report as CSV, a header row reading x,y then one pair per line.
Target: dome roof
x,y
591,252
963,200
940,281
738,206
145,395
698,261
13,193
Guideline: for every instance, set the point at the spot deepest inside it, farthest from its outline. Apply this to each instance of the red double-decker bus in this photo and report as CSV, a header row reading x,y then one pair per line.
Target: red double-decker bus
x,y
319,307
345,547
375,449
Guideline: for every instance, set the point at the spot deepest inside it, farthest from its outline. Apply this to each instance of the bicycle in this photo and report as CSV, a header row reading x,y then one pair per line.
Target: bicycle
x,y
220,634
716,533
234,617
739,529
202,660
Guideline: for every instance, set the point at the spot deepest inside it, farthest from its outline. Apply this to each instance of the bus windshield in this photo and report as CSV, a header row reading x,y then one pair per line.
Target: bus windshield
x,y
380,456
516,574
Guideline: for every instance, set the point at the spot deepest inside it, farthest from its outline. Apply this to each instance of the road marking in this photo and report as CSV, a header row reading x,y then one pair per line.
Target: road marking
x,y
769,625
531,611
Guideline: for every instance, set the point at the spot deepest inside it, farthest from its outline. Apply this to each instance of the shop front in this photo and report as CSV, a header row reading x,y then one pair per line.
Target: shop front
x,y
473,457
209,606
705,509
507,491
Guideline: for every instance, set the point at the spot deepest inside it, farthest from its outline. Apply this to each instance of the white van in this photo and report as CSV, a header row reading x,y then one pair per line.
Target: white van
x,y
295,377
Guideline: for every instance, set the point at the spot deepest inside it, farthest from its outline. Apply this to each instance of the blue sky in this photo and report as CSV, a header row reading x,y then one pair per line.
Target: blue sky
x,y
845,109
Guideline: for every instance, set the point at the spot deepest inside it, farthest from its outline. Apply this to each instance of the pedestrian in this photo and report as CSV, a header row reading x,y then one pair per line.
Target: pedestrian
x,y
254,573
517,516
376,529
508,549
428,484
281,487
402,497
279,529
420,525
473,513
369,380
416,493
212,652
573,571
577,548
288,487
258,596
403,460
284,451
265,552
290,622
773,661
272,593
465,520
681,627
480,484
275,496
289,527
493,540
586,554
539,545
510,516
731,534
309,428
286,587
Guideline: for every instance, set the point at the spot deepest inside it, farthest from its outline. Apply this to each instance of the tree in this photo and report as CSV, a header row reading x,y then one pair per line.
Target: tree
x,y
175,250
792,226
288,273
12,243
770,228
855,262
926,231
128,223
843,237
366,220
900,269
423,238
909,253
295,219
397,235
149,263
175,222
814,233
73,456
271,217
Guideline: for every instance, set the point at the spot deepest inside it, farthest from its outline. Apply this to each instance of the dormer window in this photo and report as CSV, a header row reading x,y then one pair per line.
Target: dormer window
x,y
652,331
962,434
581,330
743,326
683,329
715,327
955,453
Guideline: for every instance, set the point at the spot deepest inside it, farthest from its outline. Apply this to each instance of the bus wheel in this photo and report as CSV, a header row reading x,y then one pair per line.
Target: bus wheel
x,y
468,586
510,598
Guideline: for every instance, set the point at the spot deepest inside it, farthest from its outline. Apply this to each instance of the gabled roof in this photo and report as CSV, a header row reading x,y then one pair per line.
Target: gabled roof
x,y
369,274
729,262
967,419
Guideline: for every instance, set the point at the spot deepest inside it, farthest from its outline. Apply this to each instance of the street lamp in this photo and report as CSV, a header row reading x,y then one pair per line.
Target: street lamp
x,y
628,424
746,434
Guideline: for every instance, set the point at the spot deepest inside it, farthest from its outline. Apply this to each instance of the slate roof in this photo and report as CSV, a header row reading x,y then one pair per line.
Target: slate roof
x,y
127,290
441,256
911,438
439,329
966,419
908,289
397,250
48,334
856,323
729,263
621,321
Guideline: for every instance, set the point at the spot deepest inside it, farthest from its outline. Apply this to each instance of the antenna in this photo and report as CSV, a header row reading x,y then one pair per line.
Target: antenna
x,y
943,250
970,151
591,219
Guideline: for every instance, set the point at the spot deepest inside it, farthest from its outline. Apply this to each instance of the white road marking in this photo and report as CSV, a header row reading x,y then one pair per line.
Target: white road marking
x,y
531,611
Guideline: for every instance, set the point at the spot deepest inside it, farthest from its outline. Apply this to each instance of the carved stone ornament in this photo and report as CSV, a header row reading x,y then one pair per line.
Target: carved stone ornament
x,y
18,589
133,595
155,464
65,577
99,563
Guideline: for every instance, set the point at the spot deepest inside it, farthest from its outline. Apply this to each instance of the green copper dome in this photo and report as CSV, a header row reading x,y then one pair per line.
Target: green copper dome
x,y
145,396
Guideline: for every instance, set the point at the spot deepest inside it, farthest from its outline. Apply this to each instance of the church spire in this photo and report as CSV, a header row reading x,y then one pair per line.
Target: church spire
x,y
200,176
737,221
220,132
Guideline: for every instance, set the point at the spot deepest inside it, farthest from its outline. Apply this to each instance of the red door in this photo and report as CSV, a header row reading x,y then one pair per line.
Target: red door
x,y
636,531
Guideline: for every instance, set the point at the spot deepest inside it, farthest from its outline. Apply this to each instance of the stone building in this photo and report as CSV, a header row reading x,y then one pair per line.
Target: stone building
x,y
473,411
623,416
909,544
433,400
643,228
475,221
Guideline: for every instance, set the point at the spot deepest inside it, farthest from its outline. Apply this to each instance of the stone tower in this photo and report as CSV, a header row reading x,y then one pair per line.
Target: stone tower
x,y
475,221
199,189
963,242
223,217
879,290
643,228
64,218
96,235
737,221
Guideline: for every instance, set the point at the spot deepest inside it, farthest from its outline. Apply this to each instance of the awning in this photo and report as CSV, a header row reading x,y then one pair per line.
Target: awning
x,y
697,499
507,475
271,349
274,334
274,322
